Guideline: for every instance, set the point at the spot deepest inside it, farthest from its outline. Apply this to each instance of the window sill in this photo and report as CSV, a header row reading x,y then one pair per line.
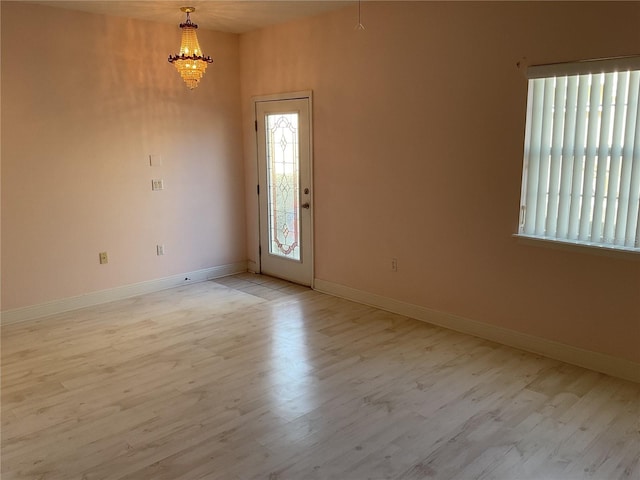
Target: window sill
x,y
623,253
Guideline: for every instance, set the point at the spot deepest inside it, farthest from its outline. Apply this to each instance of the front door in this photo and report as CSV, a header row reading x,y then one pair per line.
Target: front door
x,y
284,167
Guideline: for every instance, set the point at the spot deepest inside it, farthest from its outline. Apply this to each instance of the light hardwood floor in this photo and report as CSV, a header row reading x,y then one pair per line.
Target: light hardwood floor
x,y
251,377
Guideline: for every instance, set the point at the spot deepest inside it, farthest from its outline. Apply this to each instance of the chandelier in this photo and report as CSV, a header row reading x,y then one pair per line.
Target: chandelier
x,y
190,62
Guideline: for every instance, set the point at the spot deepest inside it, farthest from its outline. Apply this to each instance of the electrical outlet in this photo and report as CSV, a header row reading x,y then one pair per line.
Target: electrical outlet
x,y
394,264
159,250
103,258
157,184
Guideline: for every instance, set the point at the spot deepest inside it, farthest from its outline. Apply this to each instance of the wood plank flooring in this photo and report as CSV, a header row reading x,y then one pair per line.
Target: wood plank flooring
x,y
249,377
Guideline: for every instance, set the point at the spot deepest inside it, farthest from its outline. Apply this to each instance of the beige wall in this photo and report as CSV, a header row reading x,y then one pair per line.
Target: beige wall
x,y
418,131
81,112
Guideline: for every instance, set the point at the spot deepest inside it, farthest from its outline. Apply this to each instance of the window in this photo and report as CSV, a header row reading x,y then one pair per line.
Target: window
x,y
581,175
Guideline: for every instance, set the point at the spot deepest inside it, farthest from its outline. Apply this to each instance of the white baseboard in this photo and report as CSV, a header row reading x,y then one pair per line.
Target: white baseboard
x,y
118,293
599,362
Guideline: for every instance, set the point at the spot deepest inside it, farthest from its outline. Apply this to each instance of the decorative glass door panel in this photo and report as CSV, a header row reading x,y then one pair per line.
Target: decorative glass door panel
x,y
283,135
283,180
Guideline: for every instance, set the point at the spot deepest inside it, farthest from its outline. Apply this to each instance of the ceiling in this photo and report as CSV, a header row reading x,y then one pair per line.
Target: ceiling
x,y
233,16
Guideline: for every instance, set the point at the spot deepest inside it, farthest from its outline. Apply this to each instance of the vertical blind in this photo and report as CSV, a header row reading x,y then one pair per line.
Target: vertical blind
x,y
581,177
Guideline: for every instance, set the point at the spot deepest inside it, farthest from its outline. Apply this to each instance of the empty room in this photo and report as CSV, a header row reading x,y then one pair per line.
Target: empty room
x,y
313,240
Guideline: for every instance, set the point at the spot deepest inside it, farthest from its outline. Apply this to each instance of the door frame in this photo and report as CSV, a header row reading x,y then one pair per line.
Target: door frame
x,y
300,95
